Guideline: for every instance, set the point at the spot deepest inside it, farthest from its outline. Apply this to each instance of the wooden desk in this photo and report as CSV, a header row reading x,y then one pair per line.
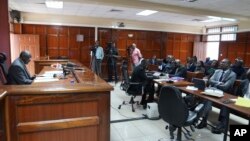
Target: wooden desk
x,y
241,110
180,83
39,64
59,111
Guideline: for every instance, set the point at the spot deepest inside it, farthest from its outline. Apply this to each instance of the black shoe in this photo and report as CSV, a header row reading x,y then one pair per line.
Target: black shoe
x,y
218,129
202,124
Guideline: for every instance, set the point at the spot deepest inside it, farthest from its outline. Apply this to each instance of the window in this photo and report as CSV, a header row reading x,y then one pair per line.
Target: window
x,y
213,30
212,50
217,34
228,37
213,38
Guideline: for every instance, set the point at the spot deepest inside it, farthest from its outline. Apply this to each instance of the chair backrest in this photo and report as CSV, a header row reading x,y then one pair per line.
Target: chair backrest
x,y
131,89
125,76
199,83
235,87
3,68
190,75
172,107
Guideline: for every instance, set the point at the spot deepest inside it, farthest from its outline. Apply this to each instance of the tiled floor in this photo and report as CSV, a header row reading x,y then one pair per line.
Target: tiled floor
x,y
150,130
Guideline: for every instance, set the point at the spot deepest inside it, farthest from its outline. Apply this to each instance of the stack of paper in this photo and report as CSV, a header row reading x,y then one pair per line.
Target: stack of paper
x,y
244,102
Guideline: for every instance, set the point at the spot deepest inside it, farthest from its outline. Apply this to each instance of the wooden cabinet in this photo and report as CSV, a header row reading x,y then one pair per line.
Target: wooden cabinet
x,y
20,42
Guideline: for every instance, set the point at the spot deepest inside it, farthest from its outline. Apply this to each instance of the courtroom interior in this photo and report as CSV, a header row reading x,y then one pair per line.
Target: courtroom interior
x,y
124,70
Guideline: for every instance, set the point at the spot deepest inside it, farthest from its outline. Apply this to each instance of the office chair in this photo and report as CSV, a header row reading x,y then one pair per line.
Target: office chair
x,y
174,111
131,88
199,83
191,75
3,68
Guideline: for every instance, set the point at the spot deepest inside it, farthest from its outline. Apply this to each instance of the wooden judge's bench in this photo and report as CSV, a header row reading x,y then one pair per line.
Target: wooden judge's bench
x,y
73,109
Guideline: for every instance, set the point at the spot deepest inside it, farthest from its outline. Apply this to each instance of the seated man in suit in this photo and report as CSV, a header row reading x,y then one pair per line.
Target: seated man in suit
x,y
18,73
139,75
242,91
238,68
222,79
153,60
179,70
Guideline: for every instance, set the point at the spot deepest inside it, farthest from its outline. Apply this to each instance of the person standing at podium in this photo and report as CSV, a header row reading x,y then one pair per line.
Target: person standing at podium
x,y
18,73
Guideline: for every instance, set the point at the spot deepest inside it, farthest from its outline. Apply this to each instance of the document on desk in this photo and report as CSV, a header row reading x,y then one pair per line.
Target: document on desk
x,y
213,92
161,80
244,102
45,79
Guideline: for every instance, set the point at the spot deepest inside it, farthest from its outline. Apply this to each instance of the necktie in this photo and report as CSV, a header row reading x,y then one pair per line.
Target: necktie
x,y
221,76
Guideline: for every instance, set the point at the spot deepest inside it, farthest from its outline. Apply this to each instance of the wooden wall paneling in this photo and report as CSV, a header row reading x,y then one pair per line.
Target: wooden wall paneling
x,y
63,42
52,29
241,49
17,28
28,29
63,30
169,47
184,37
241,37
43,43
176,49
52,45
247,55
40,29
85,51
141,35
223,50
231,51
74,53
104,37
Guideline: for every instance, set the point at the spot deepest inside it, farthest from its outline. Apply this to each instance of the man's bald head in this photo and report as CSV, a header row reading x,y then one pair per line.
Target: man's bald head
x,y
25,56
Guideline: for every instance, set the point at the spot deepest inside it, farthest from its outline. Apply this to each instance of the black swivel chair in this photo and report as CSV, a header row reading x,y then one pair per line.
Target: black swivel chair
x,y
3,68
174,111
131,88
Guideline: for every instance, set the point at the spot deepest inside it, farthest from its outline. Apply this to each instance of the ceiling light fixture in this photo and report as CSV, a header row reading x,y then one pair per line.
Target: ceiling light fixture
x,y
217,19
146,12
54,4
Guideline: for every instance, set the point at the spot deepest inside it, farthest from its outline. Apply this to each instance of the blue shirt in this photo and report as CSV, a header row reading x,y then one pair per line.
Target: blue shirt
x,y
99,53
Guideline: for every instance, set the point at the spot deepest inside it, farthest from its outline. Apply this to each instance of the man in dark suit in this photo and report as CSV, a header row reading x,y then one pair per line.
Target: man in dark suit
x,y
139,75
18,73
153,60
179,70
222,79
112,54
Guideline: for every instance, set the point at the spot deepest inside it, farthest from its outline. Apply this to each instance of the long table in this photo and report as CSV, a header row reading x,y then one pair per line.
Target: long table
x,y
59,110
243,111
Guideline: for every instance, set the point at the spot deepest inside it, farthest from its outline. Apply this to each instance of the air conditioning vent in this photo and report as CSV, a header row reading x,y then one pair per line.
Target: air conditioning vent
x,y
115,10
197,20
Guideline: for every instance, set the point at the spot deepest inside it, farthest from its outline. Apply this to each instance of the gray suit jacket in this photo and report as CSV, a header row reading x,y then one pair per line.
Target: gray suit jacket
x,y
18,73
227,80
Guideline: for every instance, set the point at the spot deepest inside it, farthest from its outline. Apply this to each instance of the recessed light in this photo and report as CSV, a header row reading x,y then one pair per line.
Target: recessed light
x,y
54,4
146,12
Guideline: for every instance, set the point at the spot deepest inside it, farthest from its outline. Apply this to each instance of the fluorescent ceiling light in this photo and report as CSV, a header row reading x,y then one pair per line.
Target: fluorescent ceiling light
x,y
216,19
54,4
146,12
